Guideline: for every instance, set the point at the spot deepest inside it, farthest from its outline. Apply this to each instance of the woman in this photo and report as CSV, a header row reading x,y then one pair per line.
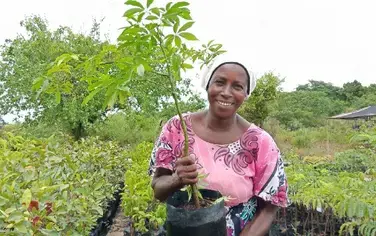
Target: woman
x,y
242,160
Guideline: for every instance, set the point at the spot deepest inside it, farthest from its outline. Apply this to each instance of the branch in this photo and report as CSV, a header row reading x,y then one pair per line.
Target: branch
x,y
184,126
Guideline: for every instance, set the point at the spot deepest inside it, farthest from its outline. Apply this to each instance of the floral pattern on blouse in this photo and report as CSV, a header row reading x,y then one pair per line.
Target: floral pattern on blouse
x,y
243,171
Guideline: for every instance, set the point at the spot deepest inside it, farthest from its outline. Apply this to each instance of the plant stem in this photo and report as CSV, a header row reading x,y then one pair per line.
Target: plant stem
x,y
183,124
186,146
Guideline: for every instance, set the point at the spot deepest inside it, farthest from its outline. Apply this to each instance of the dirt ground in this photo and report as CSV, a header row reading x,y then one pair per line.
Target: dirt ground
x,y
117,228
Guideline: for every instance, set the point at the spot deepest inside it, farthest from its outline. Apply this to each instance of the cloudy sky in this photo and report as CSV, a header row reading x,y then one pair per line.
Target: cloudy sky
x,y
333,41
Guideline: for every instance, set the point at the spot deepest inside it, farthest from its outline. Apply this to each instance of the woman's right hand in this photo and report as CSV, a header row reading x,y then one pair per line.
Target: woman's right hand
x,y
186,171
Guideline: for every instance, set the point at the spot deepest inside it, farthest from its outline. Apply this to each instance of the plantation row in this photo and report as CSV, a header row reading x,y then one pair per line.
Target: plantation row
x,y
48,188
62,189
343,187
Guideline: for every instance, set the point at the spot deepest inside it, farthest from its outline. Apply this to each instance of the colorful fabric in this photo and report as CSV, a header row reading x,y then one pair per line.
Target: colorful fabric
x,y
243,170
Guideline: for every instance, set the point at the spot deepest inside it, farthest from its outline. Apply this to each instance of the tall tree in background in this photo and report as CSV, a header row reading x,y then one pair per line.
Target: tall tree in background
x,y
257,108
26,58
353,90
329,89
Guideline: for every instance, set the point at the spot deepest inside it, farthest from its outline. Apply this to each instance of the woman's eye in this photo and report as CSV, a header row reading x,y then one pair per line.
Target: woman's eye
x,y
238,87
219,82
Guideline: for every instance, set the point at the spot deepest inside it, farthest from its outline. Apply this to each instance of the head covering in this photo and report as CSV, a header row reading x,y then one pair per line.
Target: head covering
x,y
226,59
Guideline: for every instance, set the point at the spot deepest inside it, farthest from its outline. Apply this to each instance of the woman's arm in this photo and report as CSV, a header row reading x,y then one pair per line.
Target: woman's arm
x,y
260,224
164,184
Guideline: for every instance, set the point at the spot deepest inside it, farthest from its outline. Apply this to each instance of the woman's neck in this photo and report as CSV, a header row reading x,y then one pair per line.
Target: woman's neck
x,y
218,124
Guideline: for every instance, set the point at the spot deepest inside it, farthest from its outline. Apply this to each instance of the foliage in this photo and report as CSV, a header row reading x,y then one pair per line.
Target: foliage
x,y
24,61
305,109
345,184
313,102
153,42
257,108
138,199
49,188
328,89
150,49
127,129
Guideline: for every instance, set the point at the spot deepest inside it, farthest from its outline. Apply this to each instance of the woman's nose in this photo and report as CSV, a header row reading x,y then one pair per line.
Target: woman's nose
x,y
226,91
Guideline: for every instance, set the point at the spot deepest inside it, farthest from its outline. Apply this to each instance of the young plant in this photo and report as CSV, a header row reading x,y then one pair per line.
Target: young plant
x,y
166,29
153,48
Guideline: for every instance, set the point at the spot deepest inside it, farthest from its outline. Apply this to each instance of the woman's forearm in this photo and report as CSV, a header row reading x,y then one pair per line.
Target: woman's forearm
x,y
260,225
164,186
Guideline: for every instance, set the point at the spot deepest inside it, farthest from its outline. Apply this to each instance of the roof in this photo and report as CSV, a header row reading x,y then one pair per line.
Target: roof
x,y
362,113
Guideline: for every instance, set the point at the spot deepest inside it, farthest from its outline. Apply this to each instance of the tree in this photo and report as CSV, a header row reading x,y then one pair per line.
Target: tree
x,y
152,42
256,108
305,108
25,58
329,89
353,90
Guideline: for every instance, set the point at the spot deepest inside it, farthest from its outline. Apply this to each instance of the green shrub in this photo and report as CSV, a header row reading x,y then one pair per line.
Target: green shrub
x,y
138,201
127,129
56,188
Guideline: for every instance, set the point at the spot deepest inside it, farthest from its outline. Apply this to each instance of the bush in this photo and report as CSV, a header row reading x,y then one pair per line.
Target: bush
x,y
138,199
127,129
49,188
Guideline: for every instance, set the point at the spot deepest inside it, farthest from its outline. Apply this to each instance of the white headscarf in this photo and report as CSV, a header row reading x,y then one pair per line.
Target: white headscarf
x,y
223,58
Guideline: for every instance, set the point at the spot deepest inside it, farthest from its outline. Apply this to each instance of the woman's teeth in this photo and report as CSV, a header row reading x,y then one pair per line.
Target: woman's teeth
x,y
224,103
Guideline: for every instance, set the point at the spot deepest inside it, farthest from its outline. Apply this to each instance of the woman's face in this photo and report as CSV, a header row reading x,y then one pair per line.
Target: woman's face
x,y
227,90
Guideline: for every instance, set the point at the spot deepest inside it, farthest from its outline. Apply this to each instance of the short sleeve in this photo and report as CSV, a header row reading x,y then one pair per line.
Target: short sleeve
x,y
270,182
167,147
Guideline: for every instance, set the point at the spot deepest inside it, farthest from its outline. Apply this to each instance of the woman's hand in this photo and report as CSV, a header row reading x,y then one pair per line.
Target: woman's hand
x,y
186,171
165,182
260,224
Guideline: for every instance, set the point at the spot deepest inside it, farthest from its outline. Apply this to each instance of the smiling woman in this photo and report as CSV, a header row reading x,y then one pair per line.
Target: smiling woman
x,y
243,162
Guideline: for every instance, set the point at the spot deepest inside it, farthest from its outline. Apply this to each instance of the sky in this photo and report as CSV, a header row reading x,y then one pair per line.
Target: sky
x,y
299,40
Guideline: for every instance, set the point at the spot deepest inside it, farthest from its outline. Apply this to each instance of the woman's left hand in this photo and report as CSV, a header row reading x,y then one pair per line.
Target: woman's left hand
x,y
260,224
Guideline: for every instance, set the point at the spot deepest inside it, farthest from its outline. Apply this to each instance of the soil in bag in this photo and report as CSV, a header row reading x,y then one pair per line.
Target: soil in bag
x,y
183,219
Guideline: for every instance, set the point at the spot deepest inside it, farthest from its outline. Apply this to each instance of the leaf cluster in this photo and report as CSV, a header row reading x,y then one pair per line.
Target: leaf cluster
x,y
49,188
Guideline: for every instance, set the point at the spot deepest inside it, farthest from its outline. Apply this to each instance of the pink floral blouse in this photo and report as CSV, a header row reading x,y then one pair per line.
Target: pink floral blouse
x,y
243,170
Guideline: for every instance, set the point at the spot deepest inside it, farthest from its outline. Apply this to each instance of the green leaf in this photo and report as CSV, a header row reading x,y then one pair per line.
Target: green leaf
x,y
64,186
177,41
186,26
37,83
186,15
187,66
152,18
168,5
49,232
11,209
141,70
20,227
57,97
129,13
26,197
134,3
149,2
75,57
180,4
169,39
15,217
3,200
188,36
140,16
91,95
176,26
155,11
111,96
99,210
